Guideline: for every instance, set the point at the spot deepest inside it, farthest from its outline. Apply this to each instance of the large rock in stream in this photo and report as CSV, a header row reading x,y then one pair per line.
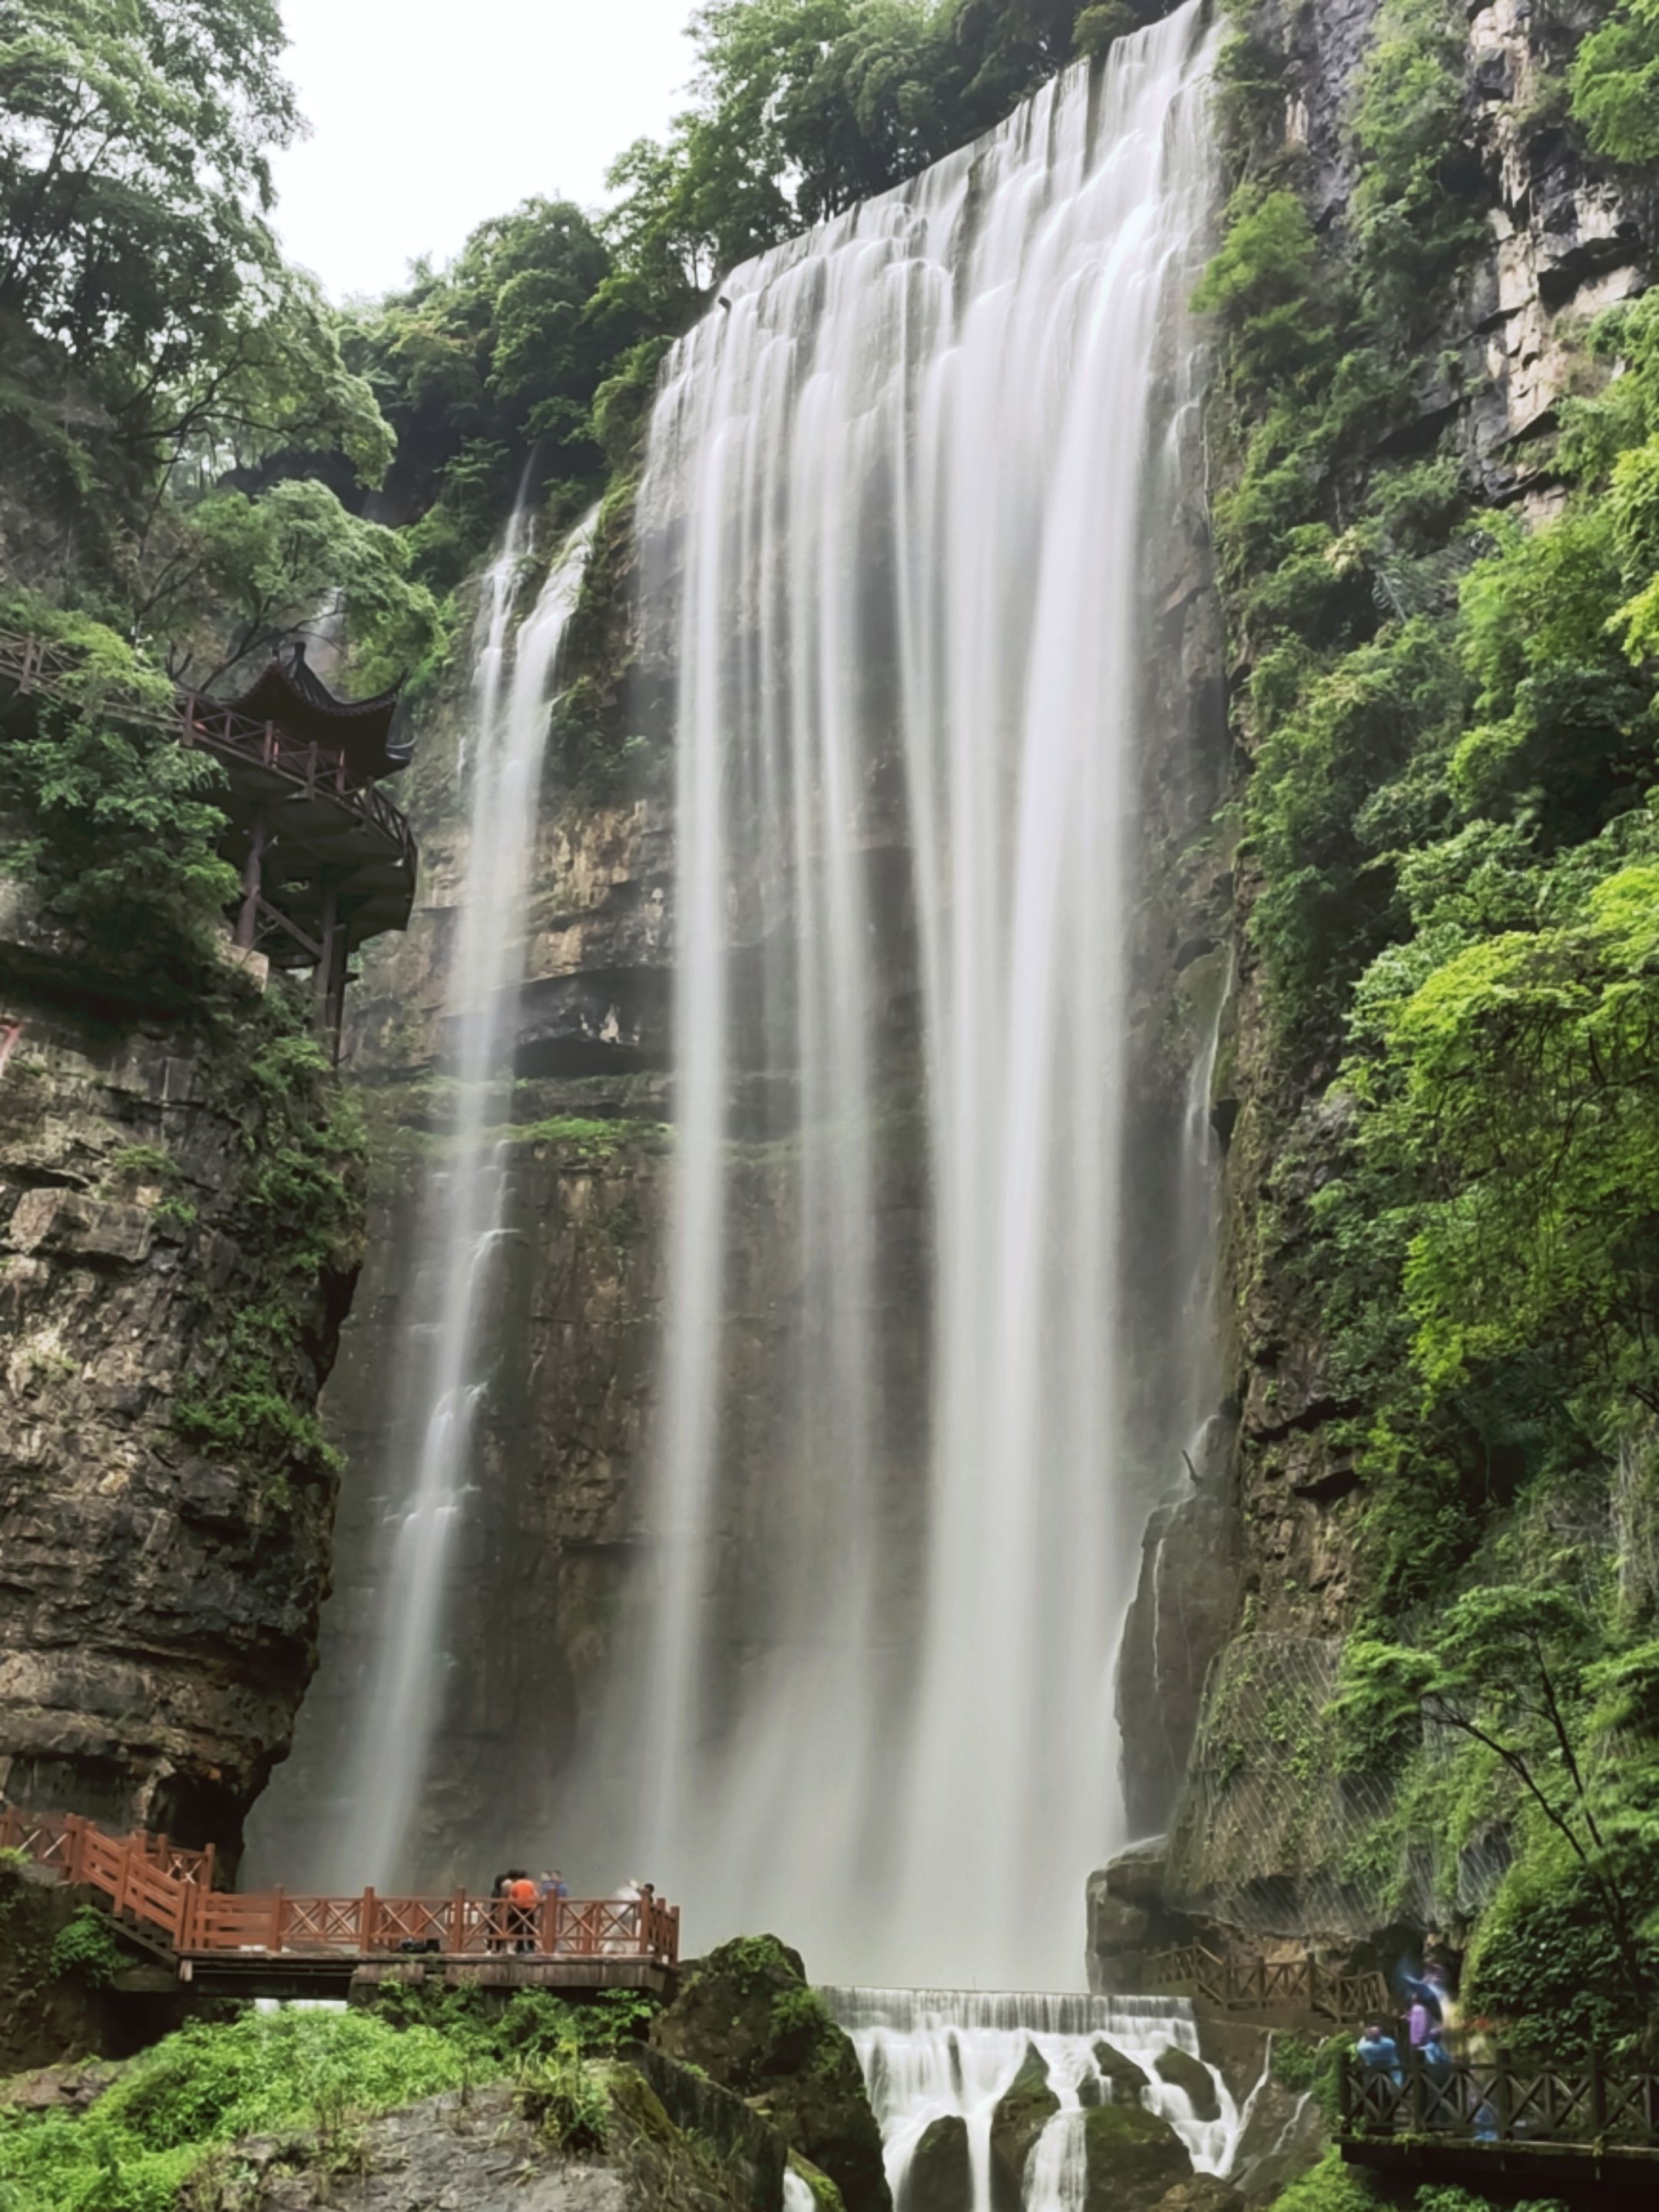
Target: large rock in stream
x,y
941,2175
1133,2159
748,2018
1024,2110
1184,2072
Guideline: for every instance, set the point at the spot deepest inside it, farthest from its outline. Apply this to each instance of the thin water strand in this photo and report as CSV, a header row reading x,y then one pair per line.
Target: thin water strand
x,y
398,1709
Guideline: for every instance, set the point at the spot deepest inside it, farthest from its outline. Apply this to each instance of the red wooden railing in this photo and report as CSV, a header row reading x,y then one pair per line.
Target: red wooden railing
x,y
162,1886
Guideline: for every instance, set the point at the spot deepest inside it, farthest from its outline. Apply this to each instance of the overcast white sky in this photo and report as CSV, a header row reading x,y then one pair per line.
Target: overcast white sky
x,y
428,115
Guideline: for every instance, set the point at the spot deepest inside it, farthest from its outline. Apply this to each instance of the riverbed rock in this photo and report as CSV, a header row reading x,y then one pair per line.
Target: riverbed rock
x,y
941,2179
1205,2192
746,2016
1133,2159
1124,2080
1024,2110
1284,2137
1184,2072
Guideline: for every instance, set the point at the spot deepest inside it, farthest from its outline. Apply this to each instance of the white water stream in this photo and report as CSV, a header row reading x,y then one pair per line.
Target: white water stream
x,y
933,2054
444,1364
895,522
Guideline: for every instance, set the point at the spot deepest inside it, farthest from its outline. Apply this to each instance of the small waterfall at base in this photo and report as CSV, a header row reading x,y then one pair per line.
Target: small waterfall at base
x,y
929,2055
905,498
442,1369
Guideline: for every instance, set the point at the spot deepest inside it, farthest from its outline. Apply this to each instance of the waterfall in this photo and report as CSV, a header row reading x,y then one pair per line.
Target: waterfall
x,y
905,494
933,2054
442,1365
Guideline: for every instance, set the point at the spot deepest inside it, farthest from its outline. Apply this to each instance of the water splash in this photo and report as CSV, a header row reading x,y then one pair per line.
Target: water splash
x,y
894,534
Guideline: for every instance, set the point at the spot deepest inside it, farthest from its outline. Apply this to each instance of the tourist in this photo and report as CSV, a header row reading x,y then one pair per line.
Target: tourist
x,y
1379,2054
523,1897
553,1884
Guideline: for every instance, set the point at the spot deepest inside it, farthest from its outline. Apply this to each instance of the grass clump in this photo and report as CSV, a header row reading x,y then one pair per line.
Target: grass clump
x,y
177,2107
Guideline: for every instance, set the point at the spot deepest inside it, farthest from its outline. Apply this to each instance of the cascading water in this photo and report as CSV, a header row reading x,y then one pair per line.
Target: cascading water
x,y
931,2054
894,528
443,1374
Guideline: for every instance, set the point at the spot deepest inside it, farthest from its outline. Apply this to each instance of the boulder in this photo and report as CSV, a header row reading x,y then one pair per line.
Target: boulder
x,y
940,2178
1184,2072
1024,2110
1132,2159
1284,2137
1205,2192
1124,2080
748,2018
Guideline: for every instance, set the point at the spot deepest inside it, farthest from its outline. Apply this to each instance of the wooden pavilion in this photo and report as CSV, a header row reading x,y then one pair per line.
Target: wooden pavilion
x,y
326,860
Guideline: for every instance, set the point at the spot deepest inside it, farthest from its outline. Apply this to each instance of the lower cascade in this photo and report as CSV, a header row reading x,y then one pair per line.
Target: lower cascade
x,y
996,2087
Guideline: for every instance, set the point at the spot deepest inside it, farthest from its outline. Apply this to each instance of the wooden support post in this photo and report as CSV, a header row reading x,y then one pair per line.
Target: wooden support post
x,y
1344,2096
1598,2096
274,1939
75,1850
365,1922
322,981
247,921
1417,2083
1502,2097
458,1922
209,1865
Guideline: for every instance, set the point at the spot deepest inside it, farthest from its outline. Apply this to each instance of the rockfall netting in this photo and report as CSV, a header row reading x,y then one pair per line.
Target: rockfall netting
x,y
1274,1837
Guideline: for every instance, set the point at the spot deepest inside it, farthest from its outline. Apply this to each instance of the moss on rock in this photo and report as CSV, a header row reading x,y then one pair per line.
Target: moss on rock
x,y
1024,2110
1132,2159
940,2177
1189,2075
748,2018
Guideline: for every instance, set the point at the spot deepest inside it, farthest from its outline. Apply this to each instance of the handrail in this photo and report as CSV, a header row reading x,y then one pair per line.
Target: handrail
x,y
1300,1984
1477,2103
170,1890
38,667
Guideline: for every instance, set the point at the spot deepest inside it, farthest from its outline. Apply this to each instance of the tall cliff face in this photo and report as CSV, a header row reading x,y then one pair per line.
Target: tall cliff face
x,y
161,1561
1558,238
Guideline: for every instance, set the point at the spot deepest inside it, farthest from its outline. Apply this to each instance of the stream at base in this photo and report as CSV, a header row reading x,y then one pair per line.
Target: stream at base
x,y
934,2054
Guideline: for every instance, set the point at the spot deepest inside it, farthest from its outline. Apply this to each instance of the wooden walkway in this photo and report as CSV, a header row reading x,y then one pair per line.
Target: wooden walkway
x,y
1283,1986
1585,2127
274,1944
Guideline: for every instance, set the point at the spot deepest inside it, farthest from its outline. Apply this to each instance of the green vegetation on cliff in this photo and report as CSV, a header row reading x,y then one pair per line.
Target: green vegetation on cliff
x,y
1452,854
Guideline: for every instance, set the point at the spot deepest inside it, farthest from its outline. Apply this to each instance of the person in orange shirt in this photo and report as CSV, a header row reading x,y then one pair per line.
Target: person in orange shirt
x,y
522,1899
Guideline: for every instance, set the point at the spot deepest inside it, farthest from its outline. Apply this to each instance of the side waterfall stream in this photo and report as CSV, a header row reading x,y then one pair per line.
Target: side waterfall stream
x,y
905,491
364,1834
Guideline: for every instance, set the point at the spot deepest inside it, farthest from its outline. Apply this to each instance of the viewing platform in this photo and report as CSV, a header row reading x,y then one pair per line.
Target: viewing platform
x,y
326,860
1582,2128
275,1945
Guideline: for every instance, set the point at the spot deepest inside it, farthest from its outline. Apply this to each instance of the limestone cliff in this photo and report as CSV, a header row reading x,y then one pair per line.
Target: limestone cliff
x,y
1262,1839
165,1505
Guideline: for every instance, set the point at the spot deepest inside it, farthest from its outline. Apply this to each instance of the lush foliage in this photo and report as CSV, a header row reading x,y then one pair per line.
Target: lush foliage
x,y
1454,859
205,2086
174,2111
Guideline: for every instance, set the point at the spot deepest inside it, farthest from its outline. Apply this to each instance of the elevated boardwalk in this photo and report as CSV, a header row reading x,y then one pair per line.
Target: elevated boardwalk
x,y
1273,1989
275,1945
1496,2126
